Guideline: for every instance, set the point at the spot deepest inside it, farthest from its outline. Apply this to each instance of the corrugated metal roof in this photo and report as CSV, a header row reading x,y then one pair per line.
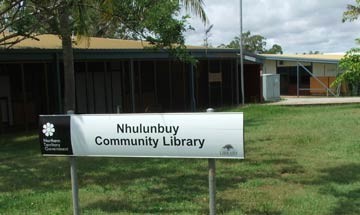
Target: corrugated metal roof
x,y
304,58
50,41
46,45
53,42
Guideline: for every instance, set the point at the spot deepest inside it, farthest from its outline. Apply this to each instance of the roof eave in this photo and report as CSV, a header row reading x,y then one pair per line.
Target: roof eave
x,y
135,53
310,60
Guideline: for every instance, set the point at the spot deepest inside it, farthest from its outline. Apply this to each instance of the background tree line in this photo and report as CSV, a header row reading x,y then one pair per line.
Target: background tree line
x,y
253,44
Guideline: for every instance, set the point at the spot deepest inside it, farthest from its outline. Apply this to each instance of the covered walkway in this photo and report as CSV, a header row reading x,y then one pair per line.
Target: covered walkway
x,y
315,100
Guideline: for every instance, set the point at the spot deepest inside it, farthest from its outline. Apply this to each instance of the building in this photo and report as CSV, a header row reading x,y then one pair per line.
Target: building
x,y
315,72
119,76
124,76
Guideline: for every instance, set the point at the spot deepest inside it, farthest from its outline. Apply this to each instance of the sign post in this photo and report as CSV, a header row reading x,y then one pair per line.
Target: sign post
x,y
172,135
74,180
212,181
74,185
212,187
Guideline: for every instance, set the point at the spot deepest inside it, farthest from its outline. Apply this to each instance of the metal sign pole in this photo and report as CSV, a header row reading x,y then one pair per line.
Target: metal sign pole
x,y
212,181
74,180
74,185
212,187
241,57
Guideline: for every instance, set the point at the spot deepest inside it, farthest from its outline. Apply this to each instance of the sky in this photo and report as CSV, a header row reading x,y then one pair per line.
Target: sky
x,y
297,25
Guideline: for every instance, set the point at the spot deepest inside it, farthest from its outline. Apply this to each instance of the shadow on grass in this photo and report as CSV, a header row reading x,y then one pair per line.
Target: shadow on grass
x,y
173,196
339,182
158,185
253,122
285,166
182,187
177,188
349,200
23,168
225,206
343,174
264,211
123,206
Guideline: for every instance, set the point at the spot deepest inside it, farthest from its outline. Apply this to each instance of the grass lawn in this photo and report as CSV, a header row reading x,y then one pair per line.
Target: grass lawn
x,y
299,160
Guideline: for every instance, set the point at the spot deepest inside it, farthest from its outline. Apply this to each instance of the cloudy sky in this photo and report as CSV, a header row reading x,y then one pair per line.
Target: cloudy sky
x,y
298,26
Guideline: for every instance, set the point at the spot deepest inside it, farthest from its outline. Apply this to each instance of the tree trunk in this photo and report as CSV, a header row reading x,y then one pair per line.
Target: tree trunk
x,y
68,57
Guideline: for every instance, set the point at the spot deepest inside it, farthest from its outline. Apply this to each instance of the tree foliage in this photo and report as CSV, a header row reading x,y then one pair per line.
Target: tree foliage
x,y
254,44
314,52
350,67
16,22
352,13
152,20
156,21
350,63
275,49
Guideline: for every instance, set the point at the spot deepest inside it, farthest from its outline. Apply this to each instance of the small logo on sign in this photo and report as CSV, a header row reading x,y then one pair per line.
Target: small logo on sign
x,y
48,129
228,150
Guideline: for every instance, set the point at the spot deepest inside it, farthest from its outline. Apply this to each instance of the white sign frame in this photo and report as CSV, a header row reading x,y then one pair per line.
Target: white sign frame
x,y
202,135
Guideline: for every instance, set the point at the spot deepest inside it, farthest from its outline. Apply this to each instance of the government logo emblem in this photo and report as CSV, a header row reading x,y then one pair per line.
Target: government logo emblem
x,y
48,129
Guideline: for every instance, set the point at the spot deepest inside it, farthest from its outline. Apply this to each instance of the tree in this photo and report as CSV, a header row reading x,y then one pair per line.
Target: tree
x,y
350,67
350,63
16,22
150,20
253,43
275,49
129,19
352,13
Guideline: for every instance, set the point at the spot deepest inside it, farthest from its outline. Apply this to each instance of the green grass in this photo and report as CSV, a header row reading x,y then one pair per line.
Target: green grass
x,y
299,160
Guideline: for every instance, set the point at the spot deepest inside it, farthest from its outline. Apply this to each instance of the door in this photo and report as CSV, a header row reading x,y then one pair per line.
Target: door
x,y
284,84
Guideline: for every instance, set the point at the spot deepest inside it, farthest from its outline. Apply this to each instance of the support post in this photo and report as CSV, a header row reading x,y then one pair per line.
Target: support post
x,y
132,80
221,85
141,98
212,187
209,83
327,93
112,91
338,90
58,83
170,85
192,88
93,90
105,88
46,88
1,124
74,180
155,83
241,58
237,88
23,88
123,88
212,181
232,83
297,79
184,86
86,88
74,186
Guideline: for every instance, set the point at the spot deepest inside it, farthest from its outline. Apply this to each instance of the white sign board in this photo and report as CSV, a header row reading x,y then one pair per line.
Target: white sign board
x,y
249,58
194,135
